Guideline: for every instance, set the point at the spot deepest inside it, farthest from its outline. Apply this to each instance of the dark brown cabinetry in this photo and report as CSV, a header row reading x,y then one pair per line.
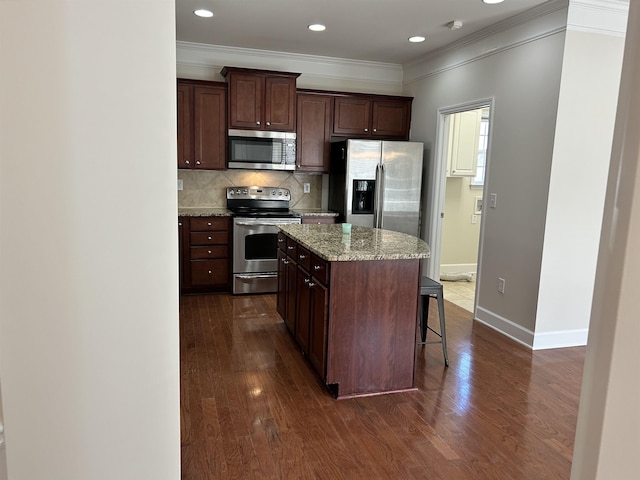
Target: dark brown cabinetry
x,y
314,132
206,254
202,128
355,321
318,220
372,117
261,99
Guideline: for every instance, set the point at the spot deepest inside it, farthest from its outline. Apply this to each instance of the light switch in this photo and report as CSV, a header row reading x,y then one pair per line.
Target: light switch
x,y
493,200
474,218
306,187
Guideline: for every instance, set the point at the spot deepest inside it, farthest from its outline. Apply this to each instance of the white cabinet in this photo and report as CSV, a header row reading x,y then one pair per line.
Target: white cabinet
x,y
462,143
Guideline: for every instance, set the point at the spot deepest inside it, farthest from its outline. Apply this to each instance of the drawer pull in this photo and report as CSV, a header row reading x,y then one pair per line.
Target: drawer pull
x,y
209,252
301,256
280,240
209,223
209,238
307,280
317,267
311,284
290,247
210,272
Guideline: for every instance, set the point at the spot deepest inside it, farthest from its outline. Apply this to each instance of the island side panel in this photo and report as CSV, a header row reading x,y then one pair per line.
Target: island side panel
x,y
372,326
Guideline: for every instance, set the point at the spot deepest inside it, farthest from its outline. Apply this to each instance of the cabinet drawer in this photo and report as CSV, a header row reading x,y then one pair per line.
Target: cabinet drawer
x,y
213,251
209,272
199,224
209,238
304,258
320,269
282,241
292,248
319,220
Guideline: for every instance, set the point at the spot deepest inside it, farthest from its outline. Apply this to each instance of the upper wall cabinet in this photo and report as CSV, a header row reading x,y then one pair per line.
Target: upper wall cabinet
x,y
462,144
202,128
372,117
313,142
261,99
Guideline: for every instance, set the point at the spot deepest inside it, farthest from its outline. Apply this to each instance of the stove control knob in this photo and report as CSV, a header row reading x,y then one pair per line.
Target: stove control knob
x,y
279,193
231,192
273,192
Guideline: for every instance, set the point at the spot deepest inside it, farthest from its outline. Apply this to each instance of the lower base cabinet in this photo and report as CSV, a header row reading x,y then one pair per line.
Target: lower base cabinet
x,y
205,258
354,321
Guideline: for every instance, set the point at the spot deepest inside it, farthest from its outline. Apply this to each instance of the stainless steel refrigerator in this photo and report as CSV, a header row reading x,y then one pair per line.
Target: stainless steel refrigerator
x,y
377,183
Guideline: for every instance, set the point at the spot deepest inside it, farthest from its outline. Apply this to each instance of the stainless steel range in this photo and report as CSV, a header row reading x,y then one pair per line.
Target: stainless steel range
x,y
257,213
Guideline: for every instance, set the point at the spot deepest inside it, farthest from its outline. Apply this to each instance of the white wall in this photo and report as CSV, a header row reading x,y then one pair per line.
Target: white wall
x,y
89,358
519,67
608,430
584,131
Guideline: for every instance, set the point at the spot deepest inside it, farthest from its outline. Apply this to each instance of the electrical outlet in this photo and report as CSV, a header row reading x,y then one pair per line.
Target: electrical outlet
x,y
474,218
306,187
493,200
179,184
501,283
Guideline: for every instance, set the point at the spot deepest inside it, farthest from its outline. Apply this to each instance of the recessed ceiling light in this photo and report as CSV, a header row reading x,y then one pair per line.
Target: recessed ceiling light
x,y
491,2
317,27
201,12
416,39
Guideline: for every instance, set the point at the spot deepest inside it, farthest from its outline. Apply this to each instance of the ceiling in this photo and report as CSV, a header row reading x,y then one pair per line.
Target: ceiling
x,y
370,30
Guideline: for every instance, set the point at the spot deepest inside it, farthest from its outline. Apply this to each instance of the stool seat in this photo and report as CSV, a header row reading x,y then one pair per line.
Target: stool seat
x,y
430,288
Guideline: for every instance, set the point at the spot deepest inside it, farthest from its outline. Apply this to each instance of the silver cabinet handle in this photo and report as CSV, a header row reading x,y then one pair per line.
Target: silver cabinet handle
x,y
197,162
302,256
187,162
375,129
209,223
208,238
209,252
268,123
366,129
307,280
210,272
317,267
290,247
257,123
311,284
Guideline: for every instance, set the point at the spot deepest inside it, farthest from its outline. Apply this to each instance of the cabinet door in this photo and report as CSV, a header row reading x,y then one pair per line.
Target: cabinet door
x,y
313,133
281,303
352,116
246,94
280,103
464,135
181,229
292,295
185,126
210,133
391,118
319,313
303,311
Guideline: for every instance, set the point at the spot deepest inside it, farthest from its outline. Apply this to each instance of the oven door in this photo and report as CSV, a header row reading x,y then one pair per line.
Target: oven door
x,y
255,248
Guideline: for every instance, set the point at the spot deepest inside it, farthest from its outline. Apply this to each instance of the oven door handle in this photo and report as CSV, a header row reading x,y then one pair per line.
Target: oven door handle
x,y
260,275
261,224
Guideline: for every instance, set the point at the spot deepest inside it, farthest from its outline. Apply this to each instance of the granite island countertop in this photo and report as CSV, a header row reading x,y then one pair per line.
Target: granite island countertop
x,y
364,243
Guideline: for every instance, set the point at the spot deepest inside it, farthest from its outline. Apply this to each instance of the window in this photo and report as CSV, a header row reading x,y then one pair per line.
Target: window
x,y
483,141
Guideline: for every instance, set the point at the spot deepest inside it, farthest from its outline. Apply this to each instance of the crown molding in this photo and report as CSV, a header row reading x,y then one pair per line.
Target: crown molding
x,y
545,20
206,56
604,17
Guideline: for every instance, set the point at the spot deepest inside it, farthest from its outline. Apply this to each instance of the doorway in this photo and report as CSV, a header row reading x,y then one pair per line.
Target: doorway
x,y
459,176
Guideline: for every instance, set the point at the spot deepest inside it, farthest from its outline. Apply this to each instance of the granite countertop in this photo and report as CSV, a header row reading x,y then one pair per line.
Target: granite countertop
x,y
203,212
314,212
364,243
223,212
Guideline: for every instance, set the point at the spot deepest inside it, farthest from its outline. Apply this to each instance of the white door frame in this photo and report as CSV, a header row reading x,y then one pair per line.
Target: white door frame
x,y
439,185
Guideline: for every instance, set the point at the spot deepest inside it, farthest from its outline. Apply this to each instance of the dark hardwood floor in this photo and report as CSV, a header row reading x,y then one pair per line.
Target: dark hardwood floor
x,y
252,407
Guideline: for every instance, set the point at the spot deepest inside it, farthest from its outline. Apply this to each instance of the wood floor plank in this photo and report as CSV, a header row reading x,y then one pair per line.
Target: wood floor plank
x,y
252,406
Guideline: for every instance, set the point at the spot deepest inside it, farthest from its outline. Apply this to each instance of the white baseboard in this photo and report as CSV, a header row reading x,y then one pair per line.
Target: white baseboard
x,y
506,327
535,341
561,339
459,268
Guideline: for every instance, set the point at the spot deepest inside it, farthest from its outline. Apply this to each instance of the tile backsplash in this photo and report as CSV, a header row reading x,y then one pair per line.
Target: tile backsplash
x,y
207,188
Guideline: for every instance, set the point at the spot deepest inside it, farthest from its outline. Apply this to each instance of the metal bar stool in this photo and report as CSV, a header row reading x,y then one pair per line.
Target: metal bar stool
x,y
430,288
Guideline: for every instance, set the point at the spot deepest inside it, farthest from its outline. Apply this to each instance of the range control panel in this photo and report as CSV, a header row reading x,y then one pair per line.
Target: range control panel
x,y
258,193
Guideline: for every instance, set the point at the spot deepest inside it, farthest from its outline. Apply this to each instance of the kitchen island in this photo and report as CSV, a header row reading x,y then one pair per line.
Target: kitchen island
x,y
351,304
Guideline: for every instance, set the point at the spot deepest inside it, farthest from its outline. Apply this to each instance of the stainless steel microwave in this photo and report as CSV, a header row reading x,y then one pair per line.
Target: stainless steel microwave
x,y
262,150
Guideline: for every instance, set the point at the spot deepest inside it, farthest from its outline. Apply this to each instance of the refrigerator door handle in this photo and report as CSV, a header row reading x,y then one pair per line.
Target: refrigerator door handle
x,y
376,197
380,207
